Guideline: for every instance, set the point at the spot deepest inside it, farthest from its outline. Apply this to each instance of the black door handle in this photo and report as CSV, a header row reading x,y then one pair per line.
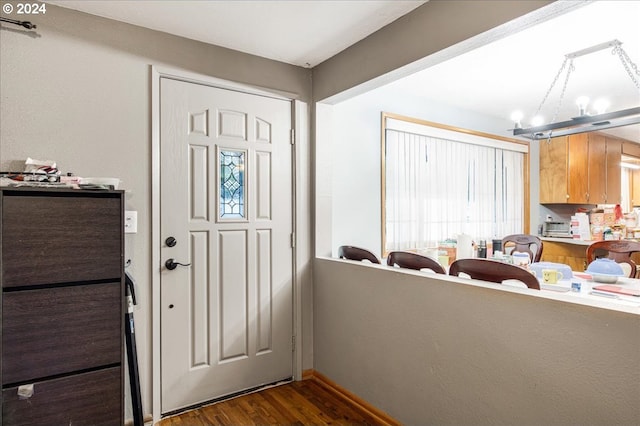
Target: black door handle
x,y
171,264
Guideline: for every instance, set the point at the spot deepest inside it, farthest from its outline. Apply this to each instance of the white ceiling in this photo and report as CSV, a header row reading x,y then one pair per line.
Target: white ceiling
x,y
514,73
496,79
298,32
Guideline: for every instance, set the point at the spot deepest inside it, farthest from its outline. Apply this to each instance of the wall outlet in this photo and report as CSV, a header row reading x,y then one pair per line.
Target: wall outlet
x,y
130,222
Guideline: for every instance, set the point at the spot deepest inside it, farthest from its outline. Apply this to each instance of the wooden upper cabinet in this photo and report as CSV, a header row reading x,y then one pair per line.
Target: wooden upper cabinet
x,y
553,170
635,188
581,169
578,178
597,169
630,148
633,149
614,174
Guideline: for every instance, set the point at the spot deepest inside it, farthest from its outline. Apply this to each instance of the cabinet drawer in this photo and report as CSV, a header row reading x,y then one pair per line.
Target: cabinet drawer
x,y
59,330
93,398
59,239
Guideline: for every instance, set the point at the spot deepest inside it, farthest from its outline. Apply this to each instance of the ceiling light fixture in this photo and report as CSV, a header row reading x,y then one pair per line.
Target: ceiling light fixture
x,y
584,122
516,117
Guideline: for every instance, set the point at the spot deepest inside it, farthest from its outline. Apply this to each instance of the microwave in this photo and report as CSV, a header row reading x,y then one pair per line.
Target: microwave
x,y
556,229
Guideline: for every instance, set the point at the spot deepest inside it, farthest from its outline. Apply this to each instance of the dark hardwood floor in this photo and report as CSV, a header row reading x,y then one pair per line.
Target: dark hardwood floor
x,y
298,403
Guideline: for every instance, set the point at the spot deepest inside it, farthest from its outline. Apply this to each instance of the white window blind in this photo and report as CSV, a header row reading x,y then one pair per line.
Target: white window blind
x,y
440,186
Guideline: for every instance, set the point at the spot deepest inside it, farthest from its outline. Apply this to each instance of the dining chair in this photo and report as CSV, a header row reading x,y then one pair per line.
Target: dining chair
x,y
523,243
618,250
357,253
408,260
494,271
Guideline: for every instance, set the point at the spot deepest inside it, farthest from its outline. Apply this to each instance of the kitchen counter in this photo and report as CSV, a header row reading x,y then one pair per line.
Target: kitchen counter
x,y
567,241
570,252
567,251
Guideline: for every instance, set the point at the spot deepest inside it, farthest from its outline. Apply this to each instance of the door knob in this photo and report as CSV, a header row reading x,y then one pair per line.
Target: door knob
x,y
171,264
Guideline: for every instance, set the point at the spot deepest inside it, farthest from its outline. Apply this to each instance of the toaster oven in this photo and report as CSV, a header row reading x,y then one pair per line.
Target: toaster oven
x,y
556,229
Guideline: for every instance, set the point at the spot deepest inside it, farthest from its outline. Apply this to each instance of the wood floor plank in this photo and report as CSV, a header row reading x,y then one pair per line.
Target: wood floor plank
x,y
288,415
296,403
287,402
329,404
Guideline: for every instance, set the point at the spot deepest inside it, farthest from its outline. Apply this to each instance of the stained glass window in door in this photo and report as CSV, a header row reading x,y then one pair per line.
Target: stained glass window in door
x,y
232,184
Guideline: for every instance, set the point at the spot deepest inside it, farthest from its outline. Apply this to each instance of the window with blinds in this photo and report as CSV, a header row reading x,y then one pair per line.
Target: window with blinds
x,y
440,182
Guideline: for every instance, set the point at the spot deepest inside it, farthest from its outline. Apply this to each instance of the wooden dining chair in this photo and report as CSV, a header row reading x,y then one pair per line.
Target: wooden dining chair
x,y
357,253
619,251
408,260
523,243
493,271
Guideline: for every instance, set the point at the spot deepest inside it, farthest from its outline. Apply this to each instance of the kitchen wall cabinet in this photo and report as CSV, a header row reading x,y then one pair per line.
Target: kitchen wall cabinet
x,y
614,173
61,267
635,188
633,150
554,170
580,169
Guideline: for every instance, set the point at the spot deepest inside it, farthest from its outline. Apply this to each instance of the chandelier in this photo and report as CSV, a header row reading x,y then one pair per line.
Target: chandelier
x,y
584,122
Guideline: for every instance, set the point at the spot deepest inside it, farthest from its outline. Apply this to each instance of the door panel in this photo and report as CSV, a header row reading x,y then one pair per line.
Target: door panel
x,y
198,184
199,306
263,192
233,288
263,260
226,318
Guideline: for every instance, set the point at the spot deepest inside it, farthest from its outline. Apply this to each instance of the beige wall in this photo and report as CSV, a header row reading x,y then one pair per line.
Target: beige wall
x,y
78,91
432,351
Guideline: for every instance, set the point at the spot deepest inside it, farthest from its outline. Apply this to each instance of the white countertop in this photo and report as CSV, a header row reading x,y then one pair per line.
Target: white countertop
x,y
621,302
567,241
562,292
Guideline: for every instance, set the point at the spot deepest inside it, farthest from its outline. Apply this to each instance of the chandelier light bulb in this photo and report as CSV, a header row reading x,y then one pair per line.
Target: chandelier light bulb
x,y
516,117
601,106
582,103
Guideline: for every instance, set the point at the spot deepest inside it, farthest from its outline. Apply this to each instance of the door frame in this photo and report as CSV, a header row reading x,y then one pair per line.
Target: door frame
x,y
299,124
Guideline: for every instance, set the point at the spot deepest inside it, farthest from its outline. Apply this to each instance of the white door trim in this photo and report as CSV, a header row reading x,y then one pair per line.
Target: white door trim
x,y
299,124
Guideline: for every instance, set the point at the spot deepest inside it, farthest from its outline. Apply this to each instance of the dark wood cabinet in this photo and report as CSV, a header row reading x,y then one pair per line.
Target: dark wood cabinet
x,y
61,267
91,398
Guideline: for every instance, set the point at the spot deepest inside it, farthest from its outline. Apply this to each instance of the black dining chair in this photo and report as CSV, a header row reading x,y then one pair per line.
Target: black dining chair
x,y
357,253
493,271
408,260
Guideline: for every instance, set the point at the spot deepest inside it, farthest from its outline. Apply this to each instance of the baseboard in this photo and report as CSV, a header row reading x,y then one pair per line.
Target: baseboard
x,y
148,419
382,417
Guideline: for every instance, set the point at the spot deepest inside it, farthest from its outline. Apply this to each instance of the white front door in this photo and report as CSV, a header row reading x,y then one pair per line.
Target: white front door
x,y
226,212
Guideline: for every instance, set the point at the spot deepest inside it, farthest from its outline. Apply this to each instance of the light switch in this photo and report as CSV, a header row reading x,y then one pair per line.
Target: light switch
x,y
130,222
